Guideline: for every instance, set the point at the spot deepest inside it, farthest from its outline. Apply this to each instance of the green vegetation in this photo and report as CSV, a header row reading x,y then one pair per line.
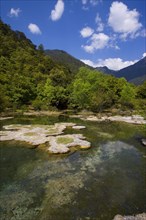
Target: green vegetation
x,y
29,78
64,140
62,57
95,91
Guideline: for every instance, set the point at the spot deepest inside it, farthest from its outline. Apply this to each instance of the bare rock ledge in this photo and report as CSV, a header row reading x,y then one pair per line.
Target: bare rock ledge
x,y
136,217
134,119
41,134
5,118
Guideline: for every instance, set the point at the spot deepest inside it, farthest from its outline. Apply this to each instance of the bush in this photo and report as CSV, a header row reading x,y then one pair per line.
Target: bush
x,y
37,104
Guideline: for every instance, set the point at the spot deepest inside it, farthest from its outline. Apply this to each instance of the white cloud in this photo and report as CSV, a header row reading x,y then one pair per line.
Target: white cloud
x,y
98,41
111,63
90,2
144,55
113,43
58,11
86,32
34,29
115,63
143,33
88,48
94,2
14,12
100,25
124,21
84,2
89,62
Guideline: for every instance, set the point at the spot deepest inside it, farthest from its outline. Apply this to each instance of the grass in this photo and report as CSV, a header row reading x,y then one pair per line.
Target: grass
x,y
52,131
64,140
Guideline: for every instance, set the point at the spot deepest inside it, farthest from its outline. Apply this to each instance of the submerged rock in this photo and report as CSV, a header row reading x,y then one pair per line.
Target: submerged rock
x,y
136,217
104,134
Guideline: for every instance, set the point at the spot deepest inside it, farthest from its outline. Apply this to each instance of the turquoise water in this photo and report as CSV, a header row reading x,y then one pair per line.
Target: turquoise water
x,y
95,184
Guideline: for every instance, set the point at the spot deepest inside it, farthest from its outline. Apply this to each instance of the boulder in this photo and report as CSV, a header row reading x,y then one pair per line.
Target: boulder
x,y
136,217
143,141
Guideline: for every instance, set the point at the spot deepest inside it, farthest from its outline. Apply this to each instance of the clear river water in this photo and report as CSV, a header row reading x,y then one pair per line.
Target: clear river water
x,y
96,184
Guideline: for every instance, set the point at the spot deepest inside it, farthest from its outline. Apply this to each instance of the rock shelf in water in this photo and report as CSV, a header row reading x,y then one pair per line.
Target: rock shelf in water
x,y
62,143
5,118
41,134
134,119
136,217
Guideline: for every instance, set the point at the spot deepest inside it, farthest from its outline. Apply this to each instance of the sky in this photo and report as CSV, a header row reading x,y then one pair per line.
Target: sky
x,y
98,32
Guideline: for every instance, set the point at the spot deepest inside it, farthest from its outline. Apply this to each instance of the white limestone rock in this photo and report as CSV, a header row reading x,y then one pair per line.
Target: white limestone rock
x,y
40,134
135,119
136,217
68,141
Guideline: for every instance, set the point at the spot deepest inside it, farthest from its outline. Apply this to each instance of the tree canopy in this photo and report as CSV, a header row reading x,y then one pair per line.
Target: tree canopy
x,y
29,77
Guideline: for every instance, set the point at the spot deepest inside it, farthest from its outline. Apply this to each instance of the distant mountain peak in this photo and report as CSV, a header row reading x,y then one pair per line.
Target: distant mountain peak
x,y
135,73
105,70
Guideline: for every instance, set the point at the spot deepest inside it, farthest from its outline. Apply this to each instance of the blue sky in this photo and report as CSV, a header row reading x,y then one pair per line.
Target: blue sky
x,y
98,32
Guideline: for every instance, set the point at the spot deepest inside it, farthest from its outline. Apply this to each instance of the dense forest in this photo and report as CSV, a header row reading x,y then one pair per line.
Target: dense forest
x,y
30,78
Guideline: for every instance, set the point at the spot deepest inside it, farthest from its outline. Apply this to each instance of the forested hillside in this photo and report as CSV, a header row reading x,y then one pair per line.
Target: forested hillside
x,y
30,78
24,70
62,57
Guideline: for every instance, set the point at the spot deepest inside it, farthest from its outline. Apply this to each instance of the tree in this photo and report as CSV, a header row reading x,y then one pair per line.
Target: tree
x,y
141,91
128,95
41,49
89,90
55,95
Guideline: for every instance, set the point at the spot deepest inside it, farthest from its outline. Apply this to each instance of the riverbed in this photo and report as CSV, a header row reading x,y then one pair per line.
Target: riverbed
x,y
96,183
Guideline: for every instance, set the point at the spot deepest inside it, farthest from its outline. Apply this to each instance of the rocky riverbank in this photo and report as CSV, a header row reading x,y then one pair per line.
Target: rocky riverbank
x,y
5,118
134,119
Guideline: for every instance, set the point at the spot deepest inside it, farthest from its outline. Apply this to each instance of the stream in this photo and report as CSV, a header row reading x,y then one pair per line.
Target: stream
x,y
94,184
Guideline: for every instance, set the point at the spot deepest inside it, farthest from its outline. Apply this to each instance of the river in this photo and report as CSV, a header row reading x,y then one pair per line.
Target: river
x,y
95,184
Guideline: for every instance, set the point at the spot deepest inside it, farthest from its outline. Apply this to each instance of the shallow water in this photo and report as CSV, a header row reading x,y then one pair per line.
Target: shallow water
x,y
95,184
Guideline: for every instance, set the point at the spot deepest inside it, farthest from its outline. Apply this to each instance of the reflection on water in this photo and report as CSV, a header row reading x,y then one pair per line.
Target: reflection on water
x,y
97,183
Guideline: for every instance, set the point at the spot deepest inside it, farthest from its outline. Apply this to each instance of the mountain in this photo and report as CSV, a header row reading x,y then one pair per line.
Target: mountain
x,y
135,73
63,58
137,70
138,80
30,78
106,70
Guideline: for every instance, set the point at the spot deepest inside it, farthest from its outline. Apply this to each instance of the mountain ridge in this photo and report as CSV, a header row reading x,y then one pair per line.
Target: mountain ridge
x,y
106,70
131,72
29,78
135,73
62,57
